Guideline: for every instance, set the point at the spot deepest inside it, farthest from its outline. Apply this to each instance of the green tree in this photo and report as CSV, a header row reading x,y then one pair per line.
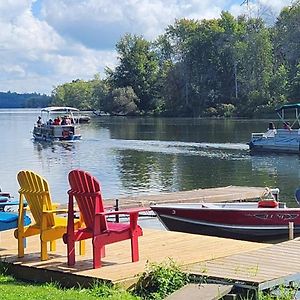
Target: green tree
x,y
255,67
77,93
287,37
176,84
279,86
121,101
295,84
138,67
100,90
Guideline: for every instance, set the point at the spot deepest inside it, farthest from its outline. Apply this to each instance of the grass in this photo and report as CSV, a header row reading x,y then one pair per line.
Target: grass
x,y
12,289
280,293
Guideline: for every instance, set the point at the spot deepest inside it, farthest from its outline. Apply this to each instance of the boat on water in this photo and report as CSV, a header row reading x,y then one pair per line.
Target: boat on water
x,y
9,212
264,220
83,119
57,124
286,139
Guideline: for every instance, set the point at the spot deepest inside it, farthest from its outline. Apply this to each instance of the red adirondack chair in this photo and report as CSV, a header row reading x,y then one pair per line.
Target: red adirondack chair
x,y
86,190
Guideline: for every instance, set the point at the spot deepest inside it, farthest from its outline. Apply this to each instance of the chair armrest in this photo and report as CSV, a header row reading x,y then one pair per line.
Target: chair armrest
x,y
55,211
109,206
124,212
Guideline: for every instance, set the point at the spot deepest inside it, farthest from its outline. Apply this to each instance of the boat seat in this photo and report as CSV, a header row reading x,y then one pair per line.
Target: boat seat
x,y
267,204
3,199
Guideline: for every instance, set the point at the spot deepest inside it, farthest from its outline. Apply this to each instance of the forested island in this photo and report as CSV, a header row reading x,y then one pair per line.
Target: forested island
x,y
25,100
221,67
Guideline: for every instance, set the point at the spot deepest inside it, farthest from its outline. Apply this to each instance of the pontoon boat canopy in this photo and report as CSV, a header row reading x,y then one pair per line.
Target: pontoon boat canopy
x,y
59,109
288,106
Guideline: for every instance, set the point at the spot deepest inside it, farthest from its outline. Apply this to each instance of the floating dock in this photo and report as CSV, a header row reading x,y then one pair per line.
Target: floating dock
x,y
243,264
209,195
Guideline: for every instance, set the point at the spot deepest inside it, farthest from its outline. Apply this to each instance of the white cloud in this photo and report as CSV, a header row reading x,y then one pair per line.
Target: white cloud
x,y
100,23
69,39
34,57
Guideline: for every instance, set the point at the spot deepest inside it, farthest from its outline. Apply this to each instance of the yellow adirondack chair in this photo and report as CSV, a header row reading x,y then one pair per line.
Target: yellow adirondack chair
x,y
45,223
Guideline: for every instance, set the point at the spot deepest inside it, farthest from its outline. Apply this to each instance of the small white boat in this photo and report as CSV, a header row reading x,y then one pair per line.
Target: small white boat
x,y
57,124
286,140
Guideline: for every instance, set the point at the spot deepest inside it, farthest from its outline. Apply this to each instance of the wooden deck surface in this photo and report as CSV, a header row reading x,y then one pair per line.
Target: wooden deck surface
x,y
155,246
221,194
262,268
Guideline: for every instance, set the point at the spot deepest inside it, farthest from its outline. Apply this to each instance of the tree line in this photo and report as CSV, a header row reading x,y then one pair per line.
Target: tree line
x,y
219,67
27,100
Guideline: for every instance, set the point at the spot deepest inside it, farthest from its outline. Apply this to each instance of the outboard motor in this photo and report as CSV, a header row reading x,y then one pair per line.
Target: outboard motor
x,y
297,196
275,193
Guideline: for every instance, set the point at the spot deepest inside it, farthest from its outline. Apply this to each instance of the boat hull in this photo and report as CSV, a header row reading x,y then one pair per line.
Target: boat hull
x,y
51,133
244,224
280,141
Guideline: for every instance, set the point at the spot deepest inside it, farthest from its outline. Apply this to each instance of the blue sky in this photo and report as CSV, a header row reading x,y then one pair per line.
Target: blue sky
x,y
44,43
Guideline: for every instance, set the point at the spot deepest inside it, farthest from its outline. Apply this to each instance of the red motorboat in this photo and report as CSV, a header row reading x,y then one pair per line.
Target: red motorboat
x,y
265,220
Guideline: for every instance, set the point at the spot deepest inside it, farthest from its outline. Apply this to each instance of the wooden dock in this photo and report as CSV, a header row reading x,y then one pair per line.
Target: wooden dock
x,y
215,260
257,269
210,195
155,246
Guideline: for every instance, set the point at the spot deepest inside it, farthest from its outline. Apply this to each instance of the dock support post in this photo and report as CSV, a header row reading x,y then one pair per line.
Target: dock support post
x,y
291,230
116,209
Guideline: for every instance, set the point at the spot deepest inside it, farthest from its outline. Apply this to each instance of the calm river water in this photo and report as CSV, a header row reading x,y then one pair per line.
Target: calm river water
x,y
146,155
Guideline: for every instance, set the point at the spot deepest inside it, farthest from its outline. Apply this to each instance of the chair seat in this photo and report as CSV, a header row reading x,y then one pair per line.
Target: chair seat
x,y
117,227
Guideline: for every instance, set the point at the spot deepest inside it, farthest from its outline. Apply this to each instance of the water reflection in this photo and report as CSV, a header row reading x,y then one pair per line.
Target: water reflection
x,y
281,168
41,145
145,155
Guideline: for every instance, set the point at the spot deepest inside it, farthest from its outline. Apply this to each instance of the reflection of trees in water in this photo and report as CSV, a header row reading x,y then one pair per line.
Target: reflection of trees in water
x,y
176,129
160,172
146,170
276,164
282,168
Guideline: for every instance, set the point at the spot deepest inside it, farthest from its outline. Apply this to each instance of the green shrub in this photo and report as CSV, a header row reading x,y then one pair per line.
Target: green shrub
x,y
160,280
281,293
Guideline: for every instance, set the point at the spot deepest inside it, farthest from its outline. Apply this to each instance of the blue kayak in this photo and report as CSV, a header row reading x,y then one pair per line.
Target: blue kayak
x,y
9,220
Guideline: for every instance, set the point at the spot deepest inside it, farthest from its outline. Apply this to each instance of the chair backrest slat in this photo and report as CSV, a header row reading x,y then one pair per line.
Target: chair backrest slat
x,y
87,192
36,191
